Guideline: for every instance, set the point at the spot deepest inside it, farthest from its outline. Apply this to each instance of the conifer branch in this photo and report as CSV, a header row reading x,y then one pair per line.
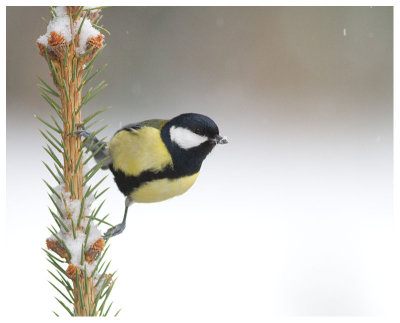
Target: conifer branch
x,y
77,243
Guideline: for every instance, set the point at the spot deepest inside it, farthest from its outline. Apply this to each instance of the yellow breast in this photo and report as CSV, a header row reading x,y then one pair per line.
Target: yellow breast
x,y
162,189
140,150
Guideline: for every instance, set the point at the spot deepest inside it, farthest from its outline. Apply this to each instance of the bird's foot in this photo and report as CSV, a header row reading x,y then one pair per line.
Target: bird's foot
x,y
82,132
112,232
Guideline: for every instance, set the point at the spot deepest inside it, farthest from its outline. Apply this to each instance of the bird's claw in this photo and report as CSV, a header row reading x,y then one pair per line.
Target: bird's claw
x,y
82,132
112,232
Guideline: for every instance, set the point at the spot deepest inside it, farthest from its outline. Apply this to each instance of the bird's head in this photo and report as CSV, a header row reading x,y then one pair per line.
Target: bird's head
x,y
192,130
192,134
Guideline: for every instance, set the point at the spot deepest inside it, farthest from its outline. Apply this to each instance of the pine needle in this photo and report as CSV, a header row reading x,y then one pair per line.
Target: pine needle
x,y
100,294
60,281
59,143
71,187
42,88
101,146
47,124
93,94
52,256
57,266
102,275
53,105
90,125
53,68
96,196
56,123
66,56
108,309
65,306
100,260
83,19
81,297
78,13
73,228
97,8
57,218
98,209
52,190
47,57
87,119
53,155
82,254
81,212
87,231
74,73
78,162
93,171
107,293
98,19
56,206
92,135
59,173
56,288
51,172
86,281
66,91
85,53
95,73
100,220
48,87
89,191
100,28
50,141
94,57
86,74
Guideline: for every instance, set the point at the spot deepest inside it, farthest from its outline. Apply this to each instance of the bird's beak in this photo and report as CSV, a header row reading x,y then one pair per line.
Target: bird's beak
x,y
221,140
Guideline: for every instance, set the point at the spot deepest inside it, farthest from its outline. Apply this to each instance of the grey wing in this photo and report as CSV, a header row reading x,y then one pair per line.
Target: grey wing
x,y
154,123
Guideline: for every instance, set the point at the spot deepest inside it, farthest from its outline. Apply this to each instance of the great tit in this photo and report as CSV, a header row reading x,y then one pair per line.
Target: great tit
x,y
155,160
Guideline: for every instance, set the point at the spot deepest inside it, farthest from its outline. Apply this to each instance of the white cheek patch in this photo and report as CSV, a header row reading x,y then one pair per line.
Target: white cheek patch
x,y
185,138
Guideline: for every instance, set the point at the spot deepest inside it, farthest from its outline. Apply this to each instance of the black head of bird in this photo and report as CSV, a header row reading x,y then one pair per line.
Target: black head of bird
x,y
189,138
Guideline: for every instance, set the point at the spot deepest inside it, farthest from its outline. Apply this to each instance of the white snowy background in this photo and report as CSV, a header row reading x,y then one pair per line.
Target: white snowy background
x,y
292,218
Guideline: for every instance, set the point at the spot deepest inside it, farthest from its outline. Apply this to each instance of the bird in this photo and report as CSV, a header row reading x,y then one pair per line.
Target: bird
x,y
154,160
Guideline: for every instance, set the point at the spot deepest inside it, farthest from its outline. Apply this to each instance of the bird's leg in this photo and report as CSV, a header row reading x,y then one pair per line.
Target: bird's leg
x,y
120,227
97,147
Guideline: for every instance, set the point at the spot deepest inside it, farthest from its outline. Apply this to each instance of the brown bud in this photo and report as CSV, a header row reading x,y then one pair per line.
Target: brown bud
x,y
55,246
41,49
107,277
96,42
94,250
57,44
73,10
71,271
93,15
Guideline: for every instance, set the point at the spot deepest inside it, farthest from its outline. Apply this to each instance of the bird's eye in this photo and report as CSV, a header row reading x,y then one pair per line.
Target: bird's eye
x,y
197,131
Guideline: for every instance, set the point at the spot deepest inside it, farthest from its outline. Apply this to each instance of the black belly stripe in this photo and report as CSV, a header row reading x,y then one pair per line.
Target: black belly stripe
x,y
129,183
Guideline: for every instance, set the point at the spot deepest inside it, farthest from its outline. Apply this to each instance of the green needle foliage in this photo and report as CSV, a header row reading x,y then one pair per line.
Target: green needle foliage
x,y
77,276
